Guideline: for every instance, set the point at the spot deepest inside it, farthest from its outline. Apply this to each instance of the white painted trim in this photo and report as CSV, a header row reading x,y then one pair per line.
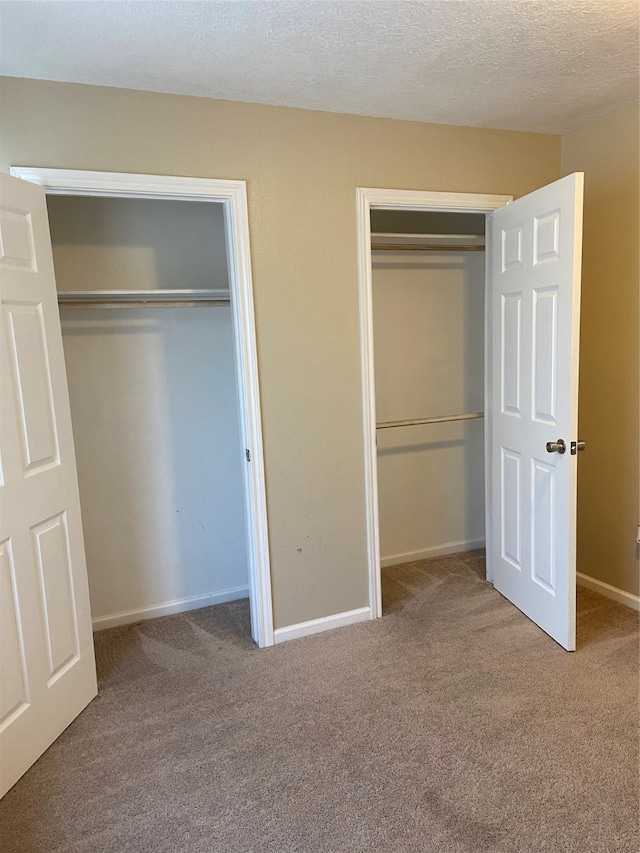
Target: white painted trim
x,y
385,199
326,623
180,605
233,195
437,551
246,360
125,185
365,297
613,592
368,199
488,398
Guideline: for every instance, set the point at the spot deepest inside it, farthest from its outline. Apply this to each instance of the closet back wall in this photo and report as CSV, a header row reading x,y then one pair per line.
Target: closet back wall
x,y
153,404
429,356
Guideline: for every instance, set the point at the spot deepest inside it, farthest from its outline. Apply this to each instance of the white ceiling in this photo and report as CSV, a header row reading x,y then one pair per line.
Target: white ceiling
x,y
539,65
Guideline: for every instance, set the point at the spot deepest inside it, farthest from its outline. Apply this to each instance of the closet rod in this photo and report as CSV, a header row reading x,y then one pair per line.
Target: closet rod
x,y
411,235
467,416
133,298
424,247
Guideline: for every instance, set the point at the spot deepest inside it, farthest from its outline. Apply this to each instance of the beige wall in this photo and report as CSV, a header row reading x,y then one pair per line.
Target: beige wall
x,y
608,499
302,169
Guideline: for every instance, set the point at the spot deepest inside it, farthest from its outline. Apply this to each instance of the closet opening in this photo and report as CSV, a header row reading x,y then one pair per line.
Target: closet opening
x,y
428,281
156,304
424,352
530,325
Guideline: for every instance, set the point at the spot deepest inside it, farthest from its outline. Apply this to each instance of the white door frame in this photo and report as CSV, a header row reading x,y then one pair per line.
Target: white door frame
x,y
233,196
388,199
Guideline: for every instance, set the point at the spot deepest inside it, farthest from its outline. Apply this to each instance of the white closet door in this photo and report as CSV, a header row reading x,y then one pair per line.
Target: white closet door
x,y
46,653
535,307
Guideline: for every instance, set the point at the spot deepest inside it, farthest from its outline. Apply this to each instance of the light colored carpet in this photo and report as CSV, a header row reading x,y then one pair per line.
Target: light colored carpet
x,y
451,725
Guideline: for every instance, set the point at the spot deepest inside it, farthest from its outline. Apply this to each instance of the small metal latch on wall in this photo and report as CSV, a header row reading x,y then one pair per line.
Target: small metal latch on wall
x,y
247,453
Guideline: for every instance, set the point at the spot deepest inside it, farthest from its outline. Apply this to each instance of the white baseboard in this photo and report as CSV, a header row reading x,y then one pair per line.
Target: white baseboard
x,y
619,595
326,623
180,605
438,551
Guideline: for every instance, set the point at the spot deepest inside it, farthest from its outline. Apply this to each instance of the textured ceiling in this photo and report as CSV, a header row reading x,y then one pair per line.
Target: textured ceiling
x,y
539,65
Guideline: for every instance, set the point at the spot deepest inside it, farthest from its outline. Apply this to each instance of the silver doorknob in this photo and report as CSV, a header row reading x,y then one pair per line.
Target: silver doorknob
x,y
577,446
558,446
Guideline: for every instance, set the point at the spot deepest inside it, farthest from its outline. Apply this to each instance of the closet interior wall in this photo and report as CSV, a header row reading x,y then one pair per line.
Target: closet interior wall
x,y
429,362
154,406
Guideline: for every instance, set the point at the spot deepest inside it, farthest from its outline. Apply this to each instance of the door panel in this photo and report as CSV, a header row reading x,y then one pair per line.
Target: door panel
x,y
13,675
46,652
535,247
32,384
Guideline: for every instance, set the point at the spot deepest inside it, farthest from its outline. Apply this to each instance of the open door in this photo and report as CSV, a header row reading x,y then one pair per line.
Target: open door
x,y
46,647
535,249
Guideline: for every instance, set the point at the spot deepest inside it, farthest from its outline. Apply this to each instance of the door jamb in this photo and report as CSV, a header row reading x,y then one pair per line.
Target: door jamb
x,y
369,199
233,196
